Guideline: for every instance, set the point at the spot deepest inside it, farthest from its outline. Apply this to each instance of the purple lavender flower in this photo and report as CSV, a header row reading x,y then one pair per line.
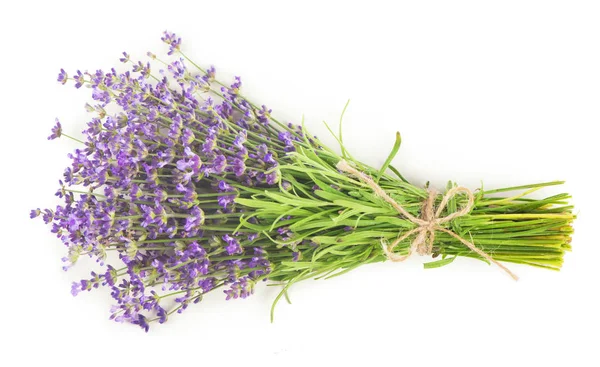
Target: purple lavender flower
x,y
152,114
284,233
235,87
268,158
75,288
160,195
226,200
287,138
79,79
263,115
110,276
148,215
188,168
210,74
233,246
62,77
153,173
161,314
240,139
207,284
195,220
239,167
240,288
56,131
142,322
272,177
165,157
125,58
177,69
172,40
224,186
47,216
209,145
187,137
219,165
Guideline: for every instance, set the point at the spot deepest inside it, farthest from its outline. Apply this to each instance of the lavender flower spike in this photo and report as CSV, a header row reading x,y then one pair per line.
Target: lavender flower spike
x,y
56,131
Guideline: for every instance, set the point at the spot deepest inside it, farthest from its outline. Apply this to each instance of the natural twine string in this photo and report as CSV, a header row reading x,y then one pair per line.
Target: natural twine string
x,y
428,223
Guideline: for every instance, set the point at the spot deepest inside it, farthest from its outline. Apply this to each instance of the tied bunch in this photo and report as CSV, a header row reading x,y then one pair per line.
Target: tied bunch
x,y
190,187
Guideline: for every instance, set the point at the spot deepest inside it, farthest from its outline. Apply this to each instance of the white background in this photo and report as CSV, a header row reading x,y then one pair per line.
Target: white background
x,y
506,92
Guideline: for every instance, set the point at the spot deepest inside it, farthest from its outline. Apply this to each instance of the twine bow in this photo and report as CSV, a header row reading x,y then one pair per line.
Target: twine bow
x,y
429,222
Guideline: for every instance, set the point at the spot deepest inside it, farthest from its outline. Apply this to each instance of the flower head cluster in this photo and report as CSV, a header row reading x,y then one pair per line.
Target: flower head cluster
x,y
158,184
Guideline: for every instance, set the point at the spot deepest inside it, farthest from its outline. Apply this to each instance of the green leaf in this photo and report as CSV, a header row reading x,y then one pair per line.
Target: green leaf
x,y
361,207
343,149
297,226
345,215
331,195
344,271
330,249
297,201
283,291
397,173
344,152
261,204
390,157
296,185
289,212
324,187
396,221
439,263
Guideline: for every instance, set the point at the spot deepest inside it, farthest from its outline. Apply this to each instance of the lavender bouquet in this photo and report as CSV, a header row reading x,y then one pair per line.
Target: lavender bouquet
x,y
190,188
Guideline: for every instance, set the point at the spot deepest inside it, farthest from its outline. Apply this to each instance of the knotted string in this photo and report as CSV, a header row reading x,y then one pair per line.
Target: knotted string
x,y
429,222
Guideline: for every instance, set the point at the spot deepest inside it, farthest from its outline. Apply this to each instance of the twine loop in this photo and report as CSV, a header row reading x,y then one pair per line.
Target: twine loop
x,y
427,224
